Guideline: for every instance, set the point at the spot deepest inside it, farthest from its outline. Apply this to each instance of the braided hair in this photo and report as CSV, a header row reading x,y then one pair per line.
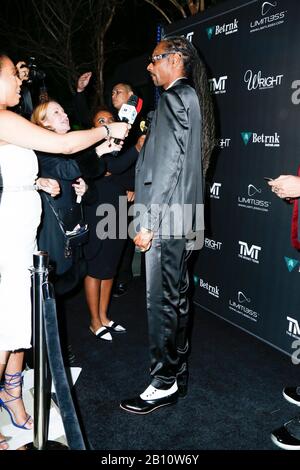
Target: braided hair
x,y
195,71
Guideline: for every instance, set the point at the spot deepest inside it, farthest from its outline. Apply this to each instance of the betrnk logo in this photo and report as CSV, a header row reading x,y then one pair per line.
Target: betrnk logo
x,y
212,290
250,254
246,136
210,31
225,28
266,140
252,190
291,263
218,86
215,190
293,328
267,6
242,298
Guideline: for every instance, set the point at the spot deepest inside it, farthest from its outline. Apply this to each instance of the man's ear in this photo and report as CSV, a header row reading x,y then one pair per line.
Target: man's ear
x,y
176,60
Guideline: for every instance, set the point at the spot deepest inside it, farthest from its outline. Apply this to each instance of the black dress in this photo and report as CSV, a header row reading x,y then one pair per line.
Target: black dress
x,y
103,253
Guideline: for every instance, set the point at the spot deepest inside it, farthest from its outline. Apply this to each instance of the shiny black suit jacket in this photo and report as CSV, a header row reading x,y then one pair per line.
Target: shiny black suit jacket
x,y
169,167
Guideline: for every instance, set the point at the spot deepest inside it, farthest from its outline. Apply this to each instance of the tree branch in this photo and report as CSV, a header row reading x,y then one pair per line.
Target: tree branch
x,y
151,2
179,7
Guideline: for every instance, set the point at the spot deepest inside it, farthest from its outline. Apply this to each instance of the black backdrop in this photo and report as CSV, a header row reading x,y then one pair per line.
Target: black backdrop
x,y
248,272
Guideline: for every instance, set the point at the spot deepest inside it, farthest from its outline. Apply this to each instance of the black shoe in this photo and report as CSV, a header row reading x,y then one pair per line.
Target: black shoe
x,y
143,407
283,439
120,289
292,394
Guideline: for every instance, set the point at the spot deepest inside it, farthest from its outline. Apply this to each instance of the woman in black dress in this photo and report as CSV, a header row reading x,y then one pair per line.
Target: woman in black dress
x,y
103,254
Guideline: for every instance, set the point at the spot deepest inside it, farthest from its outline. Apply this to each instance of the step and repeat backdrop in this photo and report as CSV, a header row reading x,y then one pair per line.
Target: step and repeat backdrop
x,y
248,272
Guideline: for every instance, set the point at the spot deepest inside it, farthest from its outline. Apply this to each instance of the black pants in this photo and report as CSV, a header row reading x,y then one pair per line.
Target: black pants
x,y
167,284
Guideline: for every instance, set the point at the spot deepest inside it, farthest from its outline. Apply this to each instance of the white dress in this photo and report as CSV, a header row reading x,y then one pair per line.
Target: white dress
x,y
20,211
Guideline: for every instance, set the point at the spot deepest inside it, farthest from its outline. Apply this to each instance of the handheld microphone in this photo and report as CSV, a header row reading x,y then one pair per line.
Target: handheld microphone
x,y
129,111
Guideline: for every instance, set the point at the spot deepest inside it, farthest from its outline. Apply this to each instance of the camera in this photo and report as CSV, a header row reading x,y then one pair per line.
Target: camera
x,y
35,73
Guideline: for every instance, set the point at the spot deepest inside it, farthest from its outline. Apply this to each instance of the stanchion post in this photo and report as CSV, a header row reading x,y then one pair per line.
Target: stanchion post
x,y
42,379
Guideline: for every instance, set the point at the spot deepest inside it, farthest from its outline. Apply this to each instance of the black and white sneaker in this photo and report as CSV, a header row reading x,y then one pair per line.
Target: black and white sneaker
x,y
292,394
283,439
288,436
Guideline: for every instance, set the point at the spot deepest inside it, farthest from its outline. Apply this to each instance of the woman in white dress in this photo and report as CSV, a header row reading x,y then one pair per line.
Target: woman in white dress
x,y
19,218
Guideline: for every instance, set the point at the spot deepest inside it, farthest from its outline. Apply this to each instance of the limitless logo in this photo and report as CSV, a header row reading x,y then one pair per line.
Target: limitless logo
x,y
266,22
212,290
218,86
225,28
215,190
256,81
293,329
249,254
240,307
250,202
253,190
266,140
212,244
291,263
267,6
242,298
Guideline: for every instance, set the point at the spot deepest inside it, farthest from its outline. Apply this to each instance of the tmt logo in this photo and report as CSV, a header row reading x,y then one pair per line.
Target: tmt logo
x,y
293,328
189,36
224,143
250,254
215,190
218,86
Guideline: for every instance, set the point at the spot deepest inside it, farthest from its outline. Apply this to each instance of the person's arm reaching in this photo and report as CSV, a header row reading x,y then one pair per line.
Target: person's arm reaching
x,y
18,131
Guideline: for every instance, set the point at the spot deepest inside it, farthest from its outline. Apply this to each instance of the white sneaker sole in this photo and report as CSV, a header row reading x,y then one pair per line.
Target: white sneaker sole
x,y
291,400
283,446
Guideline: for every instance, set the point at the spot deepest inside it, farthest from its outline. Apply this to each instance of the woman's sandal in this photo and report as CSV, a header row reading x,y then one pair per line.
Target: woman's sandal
x,y
12,381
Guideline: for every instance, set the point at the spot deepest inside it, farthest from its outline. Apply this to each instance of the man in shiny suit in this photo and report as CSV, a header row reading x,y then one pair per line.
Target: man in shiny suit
x,y
169,200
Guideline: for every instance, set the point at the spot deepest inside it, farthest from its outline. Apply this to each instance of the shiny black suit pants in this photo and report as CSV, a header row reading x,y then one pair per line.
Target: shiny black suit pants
x,y
167,283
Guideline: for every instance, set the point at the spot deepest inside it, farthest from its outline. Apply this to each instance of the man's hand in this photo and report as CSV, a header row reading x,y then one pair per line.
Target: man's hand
x,y
48,185
286,186
83,81
130,196
143,240
140,143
